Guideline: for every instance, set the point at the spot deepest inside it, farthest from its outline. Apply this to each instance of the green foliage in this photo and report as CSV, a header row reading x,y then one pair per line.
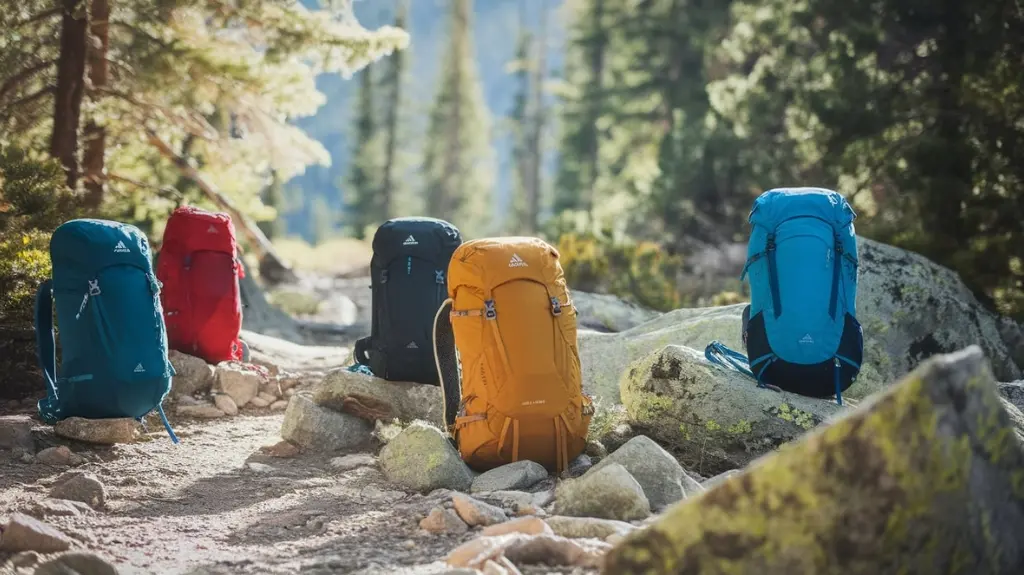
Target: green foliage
x,y
361,191
458,160
33,201
640,272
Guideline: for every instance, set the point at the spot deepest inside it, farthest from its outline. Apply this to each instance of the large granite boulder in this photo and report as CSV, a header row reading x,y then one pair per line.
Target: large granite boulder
x,y
910,309
608,313
926,477
714,419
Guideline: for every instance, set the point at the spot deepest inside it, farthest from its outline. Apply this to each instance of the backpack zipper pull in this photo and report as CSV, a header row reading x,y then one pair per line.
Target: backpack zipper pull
x,y
94,290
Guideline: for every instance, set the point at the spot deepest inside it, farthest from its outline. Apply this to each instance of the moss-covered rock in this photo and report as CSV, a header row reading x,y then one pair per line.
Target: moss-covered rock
x,y
715,419
910,309
927,477
420,458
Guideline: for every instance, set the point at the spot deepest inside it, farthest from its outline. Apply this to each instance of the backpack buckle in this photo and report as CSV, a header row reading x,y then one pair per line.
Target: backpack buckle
x,y
439,276
94,287
771,243
489,311
384,276
556,306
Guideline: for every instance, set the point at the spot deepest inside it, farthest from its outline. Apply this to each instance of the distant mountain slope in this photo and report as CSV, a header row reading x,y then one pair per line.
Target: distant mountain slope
x,y
495,26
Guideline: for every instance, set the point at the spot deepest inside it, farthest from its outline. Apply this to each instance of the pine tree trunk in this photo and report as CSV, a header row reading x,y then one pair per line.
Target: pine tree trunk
x,y
536,129
449,193
594,106
70,87
95,136
394,103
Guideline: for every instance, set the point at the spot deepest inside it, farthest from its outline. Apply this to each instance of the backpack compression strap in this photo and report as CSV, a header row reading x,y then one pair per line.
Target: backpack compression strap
x,y
46,350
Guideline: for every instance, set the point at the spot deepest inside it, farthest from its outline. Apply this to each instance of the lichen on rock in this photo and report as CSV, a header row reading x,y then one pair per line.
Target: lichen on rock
x,y
715,419
926,477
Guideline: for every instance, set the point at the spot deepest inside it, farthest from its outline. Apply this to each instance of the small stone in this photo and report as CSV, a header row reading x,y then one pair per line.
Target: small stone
x,y
27,457
506,499
420,458
441,520
224,403
578,466
259,402
609,493
543,498
57,508
99,431
353,461
529,509
58,456
477,513
267,397
595,449
192,374
409,544
16,432
289,392
315,427
525,525
78,486
587,527
77,563
663,480
24,559
279,405
511,477
282,449
240,381
24,533
259,467
203,411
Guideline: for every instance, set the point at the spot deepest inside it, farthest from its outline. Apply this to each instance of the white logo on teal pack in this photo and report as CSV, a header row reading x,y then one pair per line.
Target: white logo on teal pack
x,y
410,241
121,248
807,339
139,368
412,345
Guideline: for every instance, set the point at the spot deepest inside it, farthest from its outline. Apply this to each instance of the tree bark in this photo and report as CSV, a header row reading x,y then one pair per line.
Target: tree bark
x,y
597,53
95,136
272,268
397,62
536,129
70,87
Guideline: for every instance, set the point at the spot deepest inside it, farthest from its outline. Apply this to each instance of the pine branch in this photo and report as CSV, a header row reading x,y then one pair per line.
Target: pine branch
x,y
38,17
31,97
23,75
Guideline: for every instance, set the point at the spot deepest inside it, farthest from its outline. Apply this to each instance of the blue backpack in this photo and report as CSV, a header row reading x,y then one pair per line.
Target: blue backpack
x,y
802,334
113,341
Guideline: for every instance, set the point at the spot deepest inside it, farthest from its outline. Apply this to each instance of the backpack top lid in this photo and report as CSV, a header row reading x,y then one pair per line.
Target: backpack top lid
x,y
778,204
415,236
489,262
191,229
79,249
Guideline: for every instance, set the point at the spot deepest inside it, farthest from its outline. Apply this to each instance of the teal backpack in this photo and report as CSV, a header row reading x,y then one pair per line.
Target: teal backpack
x,y
113,340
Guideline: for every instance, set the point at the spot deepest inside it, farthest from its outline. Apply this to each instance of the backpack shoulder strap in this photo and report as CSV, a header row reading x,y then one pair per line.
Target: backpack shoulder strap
x,y
447,363
45,347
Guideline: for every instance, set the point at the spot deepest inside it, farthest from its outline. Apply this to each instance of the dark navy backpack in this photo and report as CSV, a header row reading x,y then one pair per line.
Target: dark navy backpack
x,y
802,335
409,272
113,341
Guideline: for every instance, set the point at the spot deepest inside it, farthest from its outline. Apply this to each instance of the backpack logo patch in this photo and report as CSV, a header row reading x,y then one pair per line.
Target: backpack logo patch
x,y
412,345
807,339
139,368
516,262
121,248
211,229
410,241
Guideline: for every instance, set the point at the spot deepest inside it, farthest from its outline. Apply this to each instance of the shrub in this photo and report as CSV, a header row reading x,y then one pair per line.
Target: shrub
x,y
640,272
33,201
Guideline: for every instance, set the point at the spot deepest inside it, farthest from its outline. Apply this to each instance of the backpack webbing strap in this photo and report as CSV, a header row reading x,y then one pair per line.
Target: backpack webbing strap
x,y
46,350
167,424
718,353
512,424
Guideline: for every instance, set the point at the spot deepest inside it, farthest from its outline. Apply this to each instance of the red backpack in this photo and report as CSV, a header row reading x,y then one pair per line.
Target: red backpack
x,y
200,295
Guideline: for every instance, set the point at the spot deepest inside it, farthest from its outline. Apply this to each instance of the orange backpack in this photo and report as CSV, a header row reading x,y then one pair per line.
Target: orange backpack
x,y
514,330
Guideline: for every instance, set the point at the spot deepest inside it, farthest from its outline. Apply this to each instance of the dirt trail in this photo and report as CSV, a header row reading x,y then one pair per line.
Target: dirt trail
x,y
200,507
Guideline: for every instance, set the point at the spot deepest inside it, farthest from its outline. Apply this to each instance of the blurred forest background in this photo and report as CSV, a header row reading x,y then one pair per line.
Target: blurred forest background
x,y
633,134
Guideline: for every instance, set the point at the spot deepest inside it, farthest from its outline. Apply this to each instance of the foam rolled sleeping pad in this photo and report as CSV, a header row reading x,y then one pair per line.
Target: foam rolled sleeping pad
x,y
925,477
